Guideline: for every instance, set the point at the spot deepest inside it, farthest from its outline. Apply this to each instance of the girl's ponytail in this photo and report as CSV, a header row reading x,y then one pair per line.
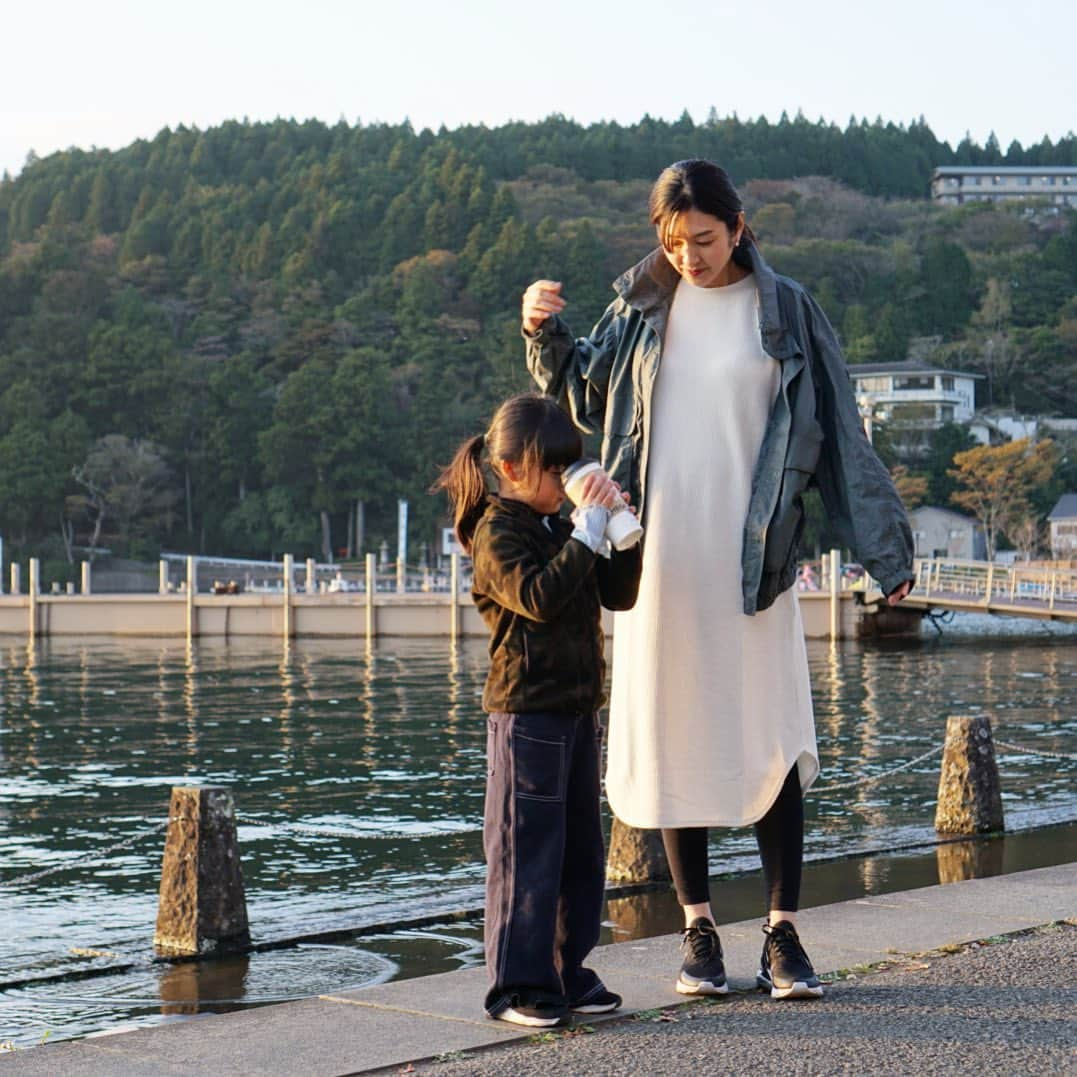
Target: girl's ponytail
x,y
465,484
529,430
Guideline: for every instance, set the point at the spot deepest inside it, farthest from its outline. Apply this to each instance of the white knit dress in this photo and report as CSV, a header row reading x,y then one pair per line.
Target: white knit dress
x,y
710,708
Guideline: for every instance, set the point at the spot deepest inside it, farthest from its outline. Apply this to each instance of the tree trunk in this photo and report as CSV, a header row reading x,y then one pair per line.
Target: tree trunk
x,y
67,532
360,527
327,542
351,536
96,533
187,496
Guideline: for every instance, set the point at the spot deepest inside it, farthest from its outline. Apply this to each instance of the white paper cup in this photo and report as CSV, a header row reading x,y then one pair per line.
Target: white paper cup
x,y
623,529
573,476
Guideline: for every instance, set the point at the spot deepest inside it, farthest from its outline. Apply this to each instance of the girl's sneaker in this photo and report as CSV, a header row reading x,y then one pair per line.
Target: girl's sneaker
x,y
784,968
598,1000
703,971
533,1013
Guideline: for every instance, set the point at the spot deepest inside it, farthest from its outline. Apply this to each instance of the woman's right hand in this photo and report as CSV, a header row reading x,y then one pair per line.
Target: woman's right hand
x,y
541,299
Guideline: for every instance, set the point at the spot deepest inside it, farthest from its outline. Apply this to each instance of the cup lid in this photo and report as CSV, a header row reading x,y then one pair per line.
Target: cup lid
x,y
578,466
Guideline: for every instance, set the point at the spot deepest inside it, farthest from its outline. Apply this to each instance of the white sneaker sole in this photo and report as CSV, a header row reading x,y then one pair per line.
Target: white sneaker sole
x,y
514,1017
703,987
796,990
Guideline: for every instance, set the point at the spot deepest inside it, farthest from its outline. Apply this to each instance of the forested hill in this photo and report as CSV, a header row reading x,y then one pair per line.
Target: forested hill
x,y
228,340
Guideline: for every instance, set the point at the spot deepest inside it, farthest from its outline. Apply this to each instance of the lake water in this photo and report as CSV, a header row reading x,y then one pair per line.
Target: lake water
x,y
358,780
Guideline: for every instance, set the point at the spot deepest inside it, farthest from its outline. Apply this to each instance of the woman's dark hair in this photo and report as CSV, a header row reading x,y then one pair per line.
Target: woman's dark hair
x,y
695,184
528,430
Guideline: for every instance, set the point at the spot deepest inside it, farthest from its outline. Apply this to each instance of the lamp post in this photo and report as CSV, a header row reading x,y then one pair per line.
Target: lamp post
x,y
866,407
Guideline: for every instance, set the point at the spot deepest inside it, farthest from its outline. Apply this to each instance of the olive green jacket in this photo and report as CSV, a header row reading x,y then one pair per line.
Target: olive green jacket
x,y
814,434
540,592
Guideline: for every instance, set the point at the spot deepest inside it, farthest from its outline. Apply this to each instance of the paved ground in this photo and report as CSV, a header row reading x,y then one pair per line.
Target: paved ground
x,y
1006,1007
940,1006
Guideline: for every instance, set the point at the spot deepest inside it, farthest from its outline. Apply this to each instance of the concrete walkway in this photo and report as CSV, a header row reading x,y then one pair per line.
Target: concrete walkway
x,y
1001,1008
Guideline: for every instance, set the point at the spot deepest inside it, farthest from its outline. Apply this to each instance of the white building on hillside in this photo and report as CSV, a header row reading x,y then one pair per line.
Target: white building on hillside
x,y
996,427
953,185
913,399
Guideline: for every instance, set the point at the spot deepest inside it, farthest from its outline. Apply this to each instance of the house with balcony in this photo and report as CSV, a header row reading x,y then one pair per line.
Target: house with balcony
x,y
913,399
954,185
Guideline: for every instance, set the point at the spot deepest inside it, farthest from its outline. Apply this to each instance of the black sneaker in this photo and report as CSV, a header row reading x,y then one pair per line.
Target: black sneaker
x,y
533,1013
597,1000
784,968
703,971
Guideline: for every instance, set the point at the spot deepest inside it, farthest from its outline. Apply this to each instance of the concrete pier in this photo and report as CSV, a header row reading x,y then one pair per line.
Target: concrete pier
x,y
270,614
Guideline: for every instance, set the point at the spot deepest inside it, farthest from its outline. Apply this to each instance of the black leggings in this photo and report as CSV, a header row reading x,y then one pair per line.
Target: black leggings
x,y
780,836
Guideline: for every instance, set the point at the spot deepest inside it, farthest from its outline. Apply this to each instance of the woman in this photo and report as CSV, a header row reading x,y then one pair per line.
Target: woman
x,y
720,393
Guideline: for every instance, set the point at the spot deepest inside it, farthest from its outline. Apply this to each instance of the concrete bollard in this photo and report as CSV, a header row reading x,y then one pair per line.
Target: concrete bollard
x,y
636,856
87,578
970,799
202,907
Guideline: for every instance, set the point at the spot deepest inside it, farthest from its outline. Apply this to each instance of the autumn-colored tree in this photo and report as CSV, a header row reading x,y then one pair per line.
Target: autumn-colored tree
x,y
912,489
995,483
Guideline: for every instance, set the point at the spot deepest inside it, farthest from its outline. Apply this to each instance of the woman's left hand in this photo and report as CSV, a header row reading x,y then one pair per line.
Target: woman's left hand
x,y
600,489
898,593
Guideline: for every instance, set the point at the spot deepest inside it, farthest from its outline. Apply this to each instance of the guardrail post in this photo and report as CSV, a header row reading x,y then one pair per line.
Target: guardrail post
x,y
636,856
312,576
990,582
87,572
289,570
401,575
16,578
202,905
835,595
371,589
454,595
162,577
1054,584
970,798
34,590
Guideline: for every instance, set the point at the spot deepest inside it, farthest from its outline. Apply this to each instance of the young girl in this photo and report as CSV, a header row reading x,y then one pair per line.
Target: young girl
x,y
539,581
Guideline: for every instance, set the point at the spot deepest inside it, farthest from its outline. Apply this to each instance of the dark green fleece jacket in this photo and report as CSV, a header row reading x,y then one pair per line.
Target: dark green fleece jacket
x,y
540,593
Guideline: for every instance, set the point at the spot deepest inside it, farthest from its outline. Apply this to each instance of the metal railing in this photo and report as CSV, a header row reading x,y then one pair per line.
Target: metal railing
x,y
988,583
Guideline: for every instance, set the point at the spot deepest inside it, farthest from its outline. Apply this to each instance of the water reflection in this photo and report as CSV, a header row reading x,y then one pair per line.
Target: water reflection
x,y
960,860
382,744
190,986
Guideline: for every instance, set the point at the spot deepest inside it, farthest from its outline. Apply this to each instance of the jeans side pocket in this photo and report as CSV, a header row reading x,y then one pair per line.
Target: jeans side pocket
x,y
540,768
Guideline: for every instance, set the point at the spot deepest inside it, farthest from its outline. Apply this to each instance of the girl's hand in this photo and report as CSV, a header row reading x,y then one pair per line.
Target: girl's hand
x,y
600,489
898,593
541,299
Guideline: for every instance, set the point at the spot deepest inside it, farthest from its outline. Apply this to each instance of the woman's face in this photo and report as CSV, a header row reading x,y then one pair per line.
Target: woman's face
x,y
700,248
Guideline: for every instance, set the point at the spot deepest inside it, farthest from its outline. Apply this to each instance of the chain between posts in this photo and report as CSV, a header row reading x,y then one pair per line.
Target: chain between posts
x,y
86,858
1035,751
872,778
340,832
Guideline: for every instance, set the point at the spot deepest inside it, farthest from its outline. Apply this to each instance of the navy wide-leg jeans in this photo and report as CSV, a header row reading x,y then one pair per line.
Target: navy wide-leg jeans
x,y
545,859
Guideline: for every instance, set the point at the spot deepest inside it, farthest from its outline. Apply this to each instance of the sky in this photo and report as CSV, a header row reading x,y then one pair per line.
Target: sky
x,y
106,73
